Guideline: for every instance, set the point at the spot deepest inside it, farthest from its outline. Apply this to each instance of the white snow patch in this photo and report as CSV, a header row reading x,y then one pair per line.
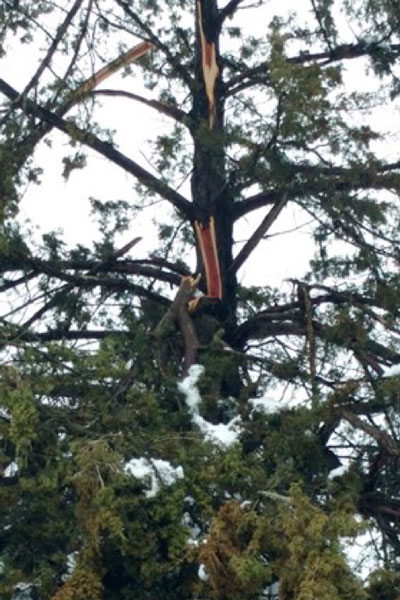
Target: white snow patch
x,y
271,592
194,529
338,471
221,434
138,467
71,561
393,371
71,564
188,387
11,470
268,406
22,591
157,471
4,414
203,575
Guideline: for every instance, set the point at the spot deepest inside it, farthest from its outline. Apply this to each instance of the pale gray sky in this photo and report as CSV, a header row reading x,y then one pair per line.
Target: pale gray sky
x,y
57,204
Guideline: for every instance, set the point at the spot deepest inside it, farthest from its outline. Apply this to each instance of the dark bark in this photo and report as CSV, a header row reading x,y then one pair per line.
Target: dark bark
x,y
211,193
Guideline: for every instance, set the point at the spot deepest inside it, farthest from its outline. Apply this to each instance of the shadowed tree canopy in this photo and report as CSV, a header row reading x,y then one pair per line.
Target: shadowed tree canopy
x,y
166,430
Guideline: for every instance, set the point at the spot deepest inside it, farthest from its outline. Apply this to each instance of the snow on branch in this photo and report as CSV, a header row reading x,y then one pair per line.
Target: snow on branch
x,y
221,434
156,471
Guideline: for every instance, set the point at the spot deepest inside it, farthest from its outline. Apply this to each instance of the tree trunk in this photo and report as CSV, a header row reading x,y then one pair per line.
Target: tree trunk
x,y
210,190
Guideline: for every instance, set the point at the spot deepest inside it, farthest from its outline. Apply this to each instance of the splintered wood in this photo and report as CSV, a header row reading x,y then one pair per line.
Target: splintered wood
x,y
209,67
126,58
208,247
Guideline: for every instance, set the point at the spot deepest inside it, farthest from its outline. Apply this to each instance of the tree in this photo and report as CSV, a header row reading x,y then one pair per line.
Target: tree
x,y
159,443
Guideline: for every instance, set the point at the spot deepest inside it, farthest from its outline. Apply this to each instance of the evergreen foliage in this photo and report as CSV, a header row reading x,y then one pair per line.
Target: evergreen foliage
x,y
233,448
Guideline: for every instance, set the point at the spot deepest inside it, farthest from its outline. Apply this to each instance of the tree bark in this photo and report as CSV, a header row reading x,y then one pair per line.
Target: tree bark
x,y
210,190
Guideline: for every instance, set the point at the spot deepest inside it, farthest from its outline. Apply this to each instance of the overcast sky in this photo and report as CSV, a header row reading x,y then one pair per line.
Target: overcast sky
x,y
57,204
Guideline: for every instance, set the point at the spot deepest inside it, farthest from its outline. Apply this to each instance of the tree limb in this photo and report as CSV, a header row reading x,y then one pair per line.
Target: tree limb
x,y
9,285
391,446
53,47
178,313
271,323
229,9
341,52
126,267
104,148
259,233
162,107
385,178
57,335
90,281
185,76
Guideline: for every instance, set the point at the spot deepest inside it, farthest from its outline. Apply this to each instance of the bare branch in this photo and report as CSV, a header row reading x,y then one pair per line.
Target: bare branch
x,y
8,285
77,47
387,442
162,107
53,47
121,251
259,233
321,25
285,321
126,267
91,281
229,9
57,335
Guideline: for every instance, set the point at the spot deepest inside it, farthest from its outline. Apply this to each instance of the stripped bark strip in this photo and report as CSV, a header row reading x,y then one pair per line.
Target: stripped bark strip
x,y
209,67
130,56
208,246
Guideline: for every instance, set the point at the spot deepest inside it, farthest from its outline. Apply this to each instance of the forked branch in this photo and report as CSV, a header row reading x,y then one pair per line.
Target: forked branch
x,y
178,314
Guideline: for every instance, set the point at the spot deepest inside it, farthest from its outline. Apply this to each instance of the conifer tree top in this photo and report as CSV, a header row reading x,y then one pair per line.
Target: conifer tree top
x,y
167,428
